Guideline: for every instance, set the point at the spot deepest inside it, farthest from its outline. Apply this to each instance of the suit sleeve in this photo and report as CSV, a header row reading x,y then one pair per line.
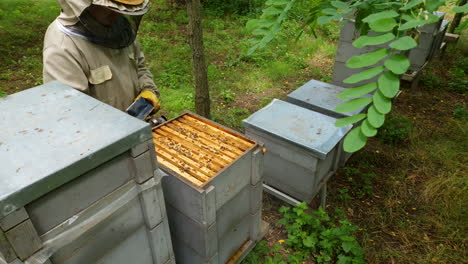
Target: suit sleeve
x,y
145,78
62,65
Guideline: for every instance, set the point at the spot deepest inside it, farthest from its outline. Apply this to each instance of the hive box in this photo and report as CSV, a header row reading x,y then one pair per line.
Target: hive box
x,y
418,56
302,148
323,98
79,182
213,189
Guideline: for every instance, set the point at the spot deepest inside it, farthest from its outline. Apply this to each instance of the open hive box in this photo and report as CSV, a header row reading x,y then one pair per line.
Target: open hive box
x,y
213,189
197,150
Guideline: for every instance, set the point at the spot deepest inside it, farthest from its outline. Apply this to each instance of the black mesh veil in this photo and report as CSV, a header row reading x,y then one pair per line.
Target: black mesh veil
x,y
120,34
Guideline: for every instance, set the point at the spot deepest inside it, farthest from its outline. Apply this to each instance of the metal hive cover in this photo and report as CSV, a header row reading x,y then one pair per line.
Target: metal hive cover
x,y
307,129
52,134
321,97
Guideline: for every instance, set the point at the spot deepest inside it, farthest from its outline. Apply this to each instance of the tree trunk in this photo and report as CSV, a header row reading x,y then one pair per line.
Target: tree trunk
x,y
202,93
456,20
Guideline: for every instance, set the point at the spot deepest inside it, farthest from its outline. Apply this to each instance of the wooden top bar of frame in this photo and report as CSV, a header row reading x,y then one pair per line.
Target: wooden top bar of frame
x,y
197,149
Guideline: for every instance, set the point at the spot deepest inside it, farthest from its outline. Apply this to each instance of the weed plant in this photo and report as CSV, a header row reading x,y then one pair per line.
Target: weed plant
x,y
397,129
312,235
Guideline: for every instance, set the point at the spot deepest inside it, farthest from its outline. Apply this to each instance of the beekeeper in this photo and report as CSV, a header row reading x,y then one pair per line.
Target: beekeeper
x,y
92,47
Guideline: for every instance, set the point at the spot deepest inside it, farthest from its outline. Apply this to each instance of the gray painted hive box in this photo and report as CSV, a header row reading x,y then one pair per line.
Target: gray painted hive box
x,y
213,189
302,148
79,182
322,98
418,56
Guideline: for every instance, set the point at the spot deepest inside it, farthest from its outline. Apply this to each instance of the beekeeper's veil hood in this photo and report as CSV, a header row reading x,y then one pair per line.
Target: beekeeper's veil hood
x,y
76,21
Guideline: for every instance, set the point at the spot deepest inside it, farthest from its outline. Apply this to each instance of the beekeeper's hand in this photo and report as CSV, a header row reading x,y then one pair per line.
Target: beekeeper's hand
x,y
151,97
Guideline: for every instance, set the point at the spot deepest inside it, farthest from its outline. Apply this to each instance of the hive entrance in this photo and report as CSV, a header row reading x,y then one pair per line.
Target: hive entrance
x,y
197,149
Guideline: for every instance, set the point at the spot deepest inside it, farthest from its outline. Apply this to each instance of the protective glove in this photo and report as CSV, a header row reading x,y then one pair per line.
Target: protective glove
x,y
151,97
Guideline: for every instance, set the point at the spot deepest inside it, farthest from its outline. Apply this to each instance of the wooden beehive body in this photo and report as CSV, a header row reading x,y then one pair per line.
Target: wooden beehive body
x,y
323,98
88,192
211,219
303,148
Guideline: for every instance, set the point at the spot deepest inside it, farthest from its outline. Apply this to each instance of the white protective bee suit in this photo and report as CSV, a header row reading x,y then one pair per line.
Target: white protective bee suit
x,y
110,68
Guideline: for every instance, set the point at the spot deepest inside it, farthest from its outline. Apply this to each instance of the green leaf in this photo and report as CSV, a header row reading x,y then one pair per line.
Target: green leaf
x,y
375,118
310,241
411,4
339,4
364,41
355,140
353,105
412,24
398,63
330,11
367,59
389,84
433,5
367,129
349,120
461,9
380,15
272,11
347,246
364,75
381,103
404,43
383,25
357,91
324,19
2,94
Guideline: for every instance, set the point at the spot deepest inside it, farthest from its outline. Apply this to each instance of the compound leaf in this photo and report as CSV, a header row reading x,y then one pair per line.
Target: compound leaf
x,y
367,129
363,41
339,4
375,118
364,75
461,9
357,91
398,63
355,140
381,103
411,4
353,105
367,59
380,15
383,25
389,84
349,120
404,43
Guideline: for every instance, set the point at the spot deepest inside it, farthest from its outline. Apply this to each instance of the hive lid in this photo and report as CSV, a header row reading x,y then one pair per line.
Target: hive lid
x,y
52,134
307,129
320,97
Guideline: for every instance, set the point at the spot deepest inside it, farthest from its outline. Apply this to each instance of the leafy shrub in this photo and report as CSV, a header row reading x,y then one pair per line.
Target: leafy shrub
x,y
361,184
459,112
458,81
329,239
395,130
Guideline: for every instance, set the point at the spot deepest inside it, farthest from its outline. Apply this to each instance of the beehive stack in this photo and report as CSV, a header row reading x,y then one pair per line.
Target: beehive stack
x,y
213,189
